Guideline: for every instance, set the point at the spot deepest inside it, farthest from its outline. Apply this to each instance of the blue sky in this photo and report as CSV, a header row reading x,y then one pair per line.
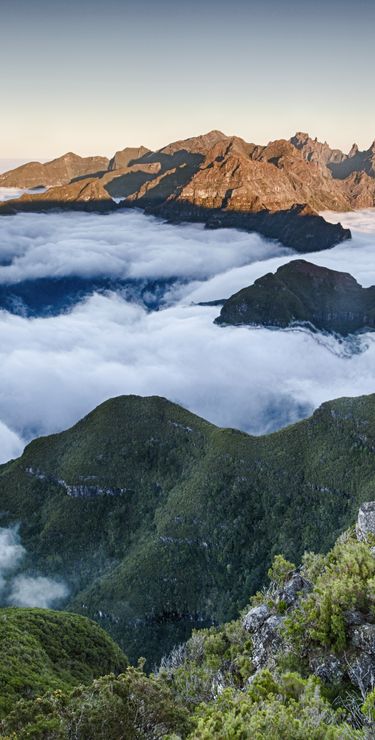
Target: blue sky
x,y
94,77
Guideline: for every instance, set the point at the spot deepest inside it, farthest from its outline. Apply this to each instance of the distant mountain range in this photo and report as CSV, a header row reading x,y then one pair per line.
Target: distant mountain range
x,y
160,522
277,189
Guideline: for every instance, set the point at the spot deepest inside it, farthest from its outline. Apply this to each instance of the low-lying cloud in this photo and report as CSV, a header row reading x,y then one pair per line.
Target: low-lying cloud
x,y
55,370
40,591
19,589
125,245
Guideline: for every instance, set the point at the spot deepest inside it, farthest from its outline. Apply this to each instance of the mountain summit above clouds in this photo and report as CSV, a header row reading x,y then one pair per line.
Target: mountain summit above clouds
x,y
302,293
277,189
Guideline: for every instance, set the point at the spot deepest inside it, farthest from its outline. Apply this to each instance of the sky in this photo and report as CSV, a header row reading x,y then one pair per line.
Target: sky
x,y
94,77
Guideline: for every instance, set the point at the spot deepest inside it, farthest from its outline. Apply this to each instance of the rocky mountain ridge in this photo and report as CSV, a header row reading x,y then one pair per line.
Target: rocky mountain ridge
x,y
221,180
60,171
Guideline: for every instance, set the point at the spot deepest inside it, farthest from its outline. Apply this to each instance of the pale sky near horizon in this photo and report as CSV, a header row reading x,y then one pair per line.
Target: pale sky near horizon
x,y
93,77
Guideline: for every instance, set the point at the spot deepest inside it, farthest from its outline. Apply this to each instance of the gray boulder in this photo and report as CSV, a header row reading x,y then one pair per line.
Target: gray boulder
x,y
354,617
366,521
327,667
266,642
292,588
255,617
363,638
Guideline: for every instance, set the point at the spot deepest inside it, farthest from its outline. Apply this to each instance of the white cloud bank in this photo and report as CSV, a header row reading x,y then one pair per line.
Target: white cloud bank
x,y
123,245
53,371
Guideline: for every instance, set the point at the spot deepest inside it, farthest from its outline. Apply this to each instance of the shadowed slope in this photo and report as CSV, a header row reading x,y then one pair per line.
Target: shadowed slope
x,y
299,293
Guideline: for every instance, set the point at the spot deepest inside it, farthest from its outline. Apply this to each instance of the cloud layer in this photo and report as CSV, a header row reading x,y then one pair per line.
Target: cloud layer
x,y
123,245
54,370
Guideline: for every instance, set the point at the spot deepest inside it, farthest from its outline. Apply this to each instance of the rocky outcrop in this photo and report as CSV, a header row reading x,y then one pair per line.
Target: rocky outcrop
x,y
256,617
85,489
356,161
360,190
83,195
264,622
365,526
59,171
195,144
126,157
241,177
302,293
224,181
313,150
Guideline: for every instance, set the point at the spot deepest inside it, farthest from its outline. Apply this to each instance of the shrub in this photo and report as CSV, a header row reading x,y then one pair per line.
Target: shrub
x,y
346,582
128,706
277,708
280,570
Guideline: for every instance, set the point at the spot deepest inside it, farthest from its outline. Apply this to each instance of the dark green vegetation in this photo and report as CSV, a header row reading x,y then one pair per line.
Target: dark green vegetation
x,y
161,522
303,293
129,707
42,650
214,687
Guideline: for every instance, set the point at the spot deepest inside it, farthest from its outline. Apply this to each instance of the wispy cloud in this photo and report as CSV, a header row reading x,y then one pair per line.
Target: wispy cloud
x,y
20,589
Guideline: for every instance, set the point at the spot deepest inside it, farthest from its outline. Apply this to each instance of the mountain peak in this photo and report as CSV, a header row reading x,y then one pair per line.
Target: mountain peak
x,y
353,151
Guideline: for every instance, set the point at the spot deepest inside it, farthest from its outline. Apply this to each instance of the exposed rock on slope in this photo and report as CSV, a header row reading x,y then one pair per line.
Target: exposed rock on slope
x,y
182,517
365,527
355,162
353,173
127,156
271,623
303,293
315,151
59,171
86,194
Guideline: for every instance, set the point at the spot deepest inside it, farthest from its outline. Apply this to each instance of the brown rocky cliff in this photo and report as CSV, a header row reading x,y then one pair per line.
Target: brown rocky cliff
x,y
59,171
84,194
127,156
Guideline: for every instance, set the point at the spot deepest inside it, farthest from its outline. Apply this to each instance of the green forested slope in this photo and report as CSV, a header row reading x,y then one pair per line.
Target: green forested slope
x,y
298,663
160,521
42,650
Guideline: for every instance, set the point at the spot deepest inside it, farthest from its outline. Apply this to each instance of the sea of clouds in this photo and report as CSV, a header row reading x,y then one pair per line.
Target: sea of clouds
x,y
54,370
